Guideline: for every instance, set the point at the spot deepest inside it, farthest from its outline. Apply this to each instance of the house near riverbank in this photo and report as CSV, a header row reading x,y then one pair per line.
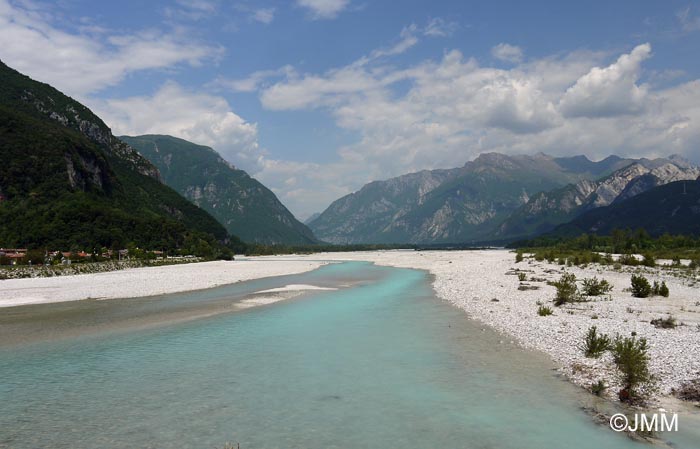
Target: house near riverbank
x,y
13,255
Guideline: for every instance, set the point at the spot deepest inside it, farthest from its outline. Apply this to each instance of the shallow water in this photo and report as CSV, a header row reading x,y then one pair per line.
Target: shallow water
x,y
380,363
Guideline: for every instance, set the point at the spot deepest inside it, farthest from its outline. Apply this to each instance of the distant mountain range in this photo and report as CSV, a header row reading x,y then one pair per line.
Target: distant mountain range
x,y
546,210
243,205
494,197
673,208
67,182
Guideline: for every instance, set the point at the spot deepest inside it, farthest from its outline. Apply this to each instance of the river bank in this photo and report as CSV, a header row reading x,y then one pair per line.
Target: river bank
x,y
144,281
482,283
485,285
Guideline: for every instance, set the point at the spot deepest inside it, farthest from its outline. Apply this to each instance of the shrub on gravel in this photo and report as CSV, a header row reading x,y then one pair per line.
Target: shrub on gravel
x,y
567,290
595,345
640,286
595,287
632,361
544,311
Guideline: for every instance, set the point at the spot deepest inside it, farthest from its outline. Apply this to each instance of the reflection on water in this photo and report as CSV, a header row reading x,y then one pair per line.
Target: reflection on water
x,y
378,364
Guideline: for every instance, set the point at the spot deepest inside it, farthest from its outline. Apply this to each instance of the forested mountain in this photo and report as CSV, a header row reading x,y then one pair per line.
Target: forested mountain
x,y
454,205
243,205
67,182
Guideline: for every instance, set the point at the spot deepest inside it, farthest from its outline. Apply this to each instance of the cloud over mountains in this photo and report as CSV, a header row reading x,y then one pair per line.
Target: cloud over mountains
x,y
405,107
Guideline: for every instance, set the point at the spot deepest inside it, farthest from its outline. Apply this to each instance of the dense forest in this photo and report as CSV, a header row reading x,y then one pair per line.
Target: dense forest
x,y
66,183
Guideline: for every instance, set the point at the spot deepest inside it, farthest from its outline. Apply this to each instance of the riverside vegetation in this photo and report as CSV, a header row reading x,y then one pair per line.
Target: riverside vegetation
x,y
33,271
631,359
629,354
629,364
592,248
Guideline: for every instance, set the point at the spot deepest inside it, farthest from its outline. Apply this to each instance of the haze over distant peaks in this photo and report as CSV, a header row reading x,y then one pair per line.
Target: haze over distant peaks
x,y
495,196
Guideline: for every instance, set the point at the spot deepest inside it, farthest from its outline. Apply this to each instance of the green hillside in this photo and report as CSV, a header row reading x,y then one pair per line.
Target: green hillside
x,y
243,205
66,182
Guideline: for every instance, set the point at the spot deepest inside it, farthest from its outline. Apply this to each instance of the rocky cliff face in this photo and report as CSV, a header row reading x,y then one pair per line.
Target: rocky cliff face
x,y
672,208
243,205
454,205
66,181
545,210
367,216
75,116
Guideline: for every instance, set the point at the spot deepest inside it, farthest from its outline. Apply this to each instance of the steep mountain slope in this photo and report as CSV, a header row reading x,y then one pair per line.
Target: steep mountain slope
x,y
65,181
672,208
244,206
544,211
454,205
312,217
364,216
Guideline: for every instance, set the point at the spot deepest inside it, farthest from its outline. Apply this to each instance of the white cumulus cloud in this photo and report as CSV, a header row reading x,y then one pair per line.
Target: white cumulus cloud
x,y
81,64
200,118
611,90
442,113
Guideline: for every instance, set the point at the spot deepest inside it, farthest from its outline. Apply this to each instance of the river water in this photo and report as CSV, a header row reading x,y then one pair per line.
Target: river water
x,y
378,363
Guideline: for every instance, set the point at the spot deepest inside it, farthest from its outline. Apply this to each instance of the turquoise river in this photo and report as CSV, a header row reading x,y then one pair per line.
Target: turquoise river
x,y
379,363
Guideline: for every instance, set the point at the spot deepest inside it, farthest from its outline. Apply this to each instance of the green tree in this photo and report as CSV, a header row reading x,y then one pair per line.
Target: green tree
x,y
640,286
632,361
567,290
595,345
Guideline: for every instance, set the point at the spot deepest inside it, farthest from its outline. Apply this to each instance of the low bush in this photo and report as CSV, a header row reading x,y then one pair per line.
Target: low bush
x,y
640,286
595,287
595,345
567,290
519,257
664,323
649,260
628,259
522,277
544,311
660,289
632,361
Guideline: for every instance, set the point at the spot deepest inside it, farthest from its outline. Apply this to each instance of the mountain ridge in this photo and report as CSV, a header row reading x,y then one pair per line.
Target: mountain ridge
x,y
546,210
672,208
494,197
449,205
243,205
68,182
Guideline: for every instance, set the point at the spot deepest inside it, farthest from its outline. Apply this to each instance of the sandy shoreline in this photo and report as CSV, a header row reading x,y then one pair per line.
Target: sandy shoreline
x,y
475,281
147,281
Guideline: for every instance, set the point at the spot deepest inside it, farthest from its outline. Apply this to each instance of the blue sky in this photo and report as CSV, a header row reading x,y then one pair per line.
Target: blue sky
x,y
317,97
